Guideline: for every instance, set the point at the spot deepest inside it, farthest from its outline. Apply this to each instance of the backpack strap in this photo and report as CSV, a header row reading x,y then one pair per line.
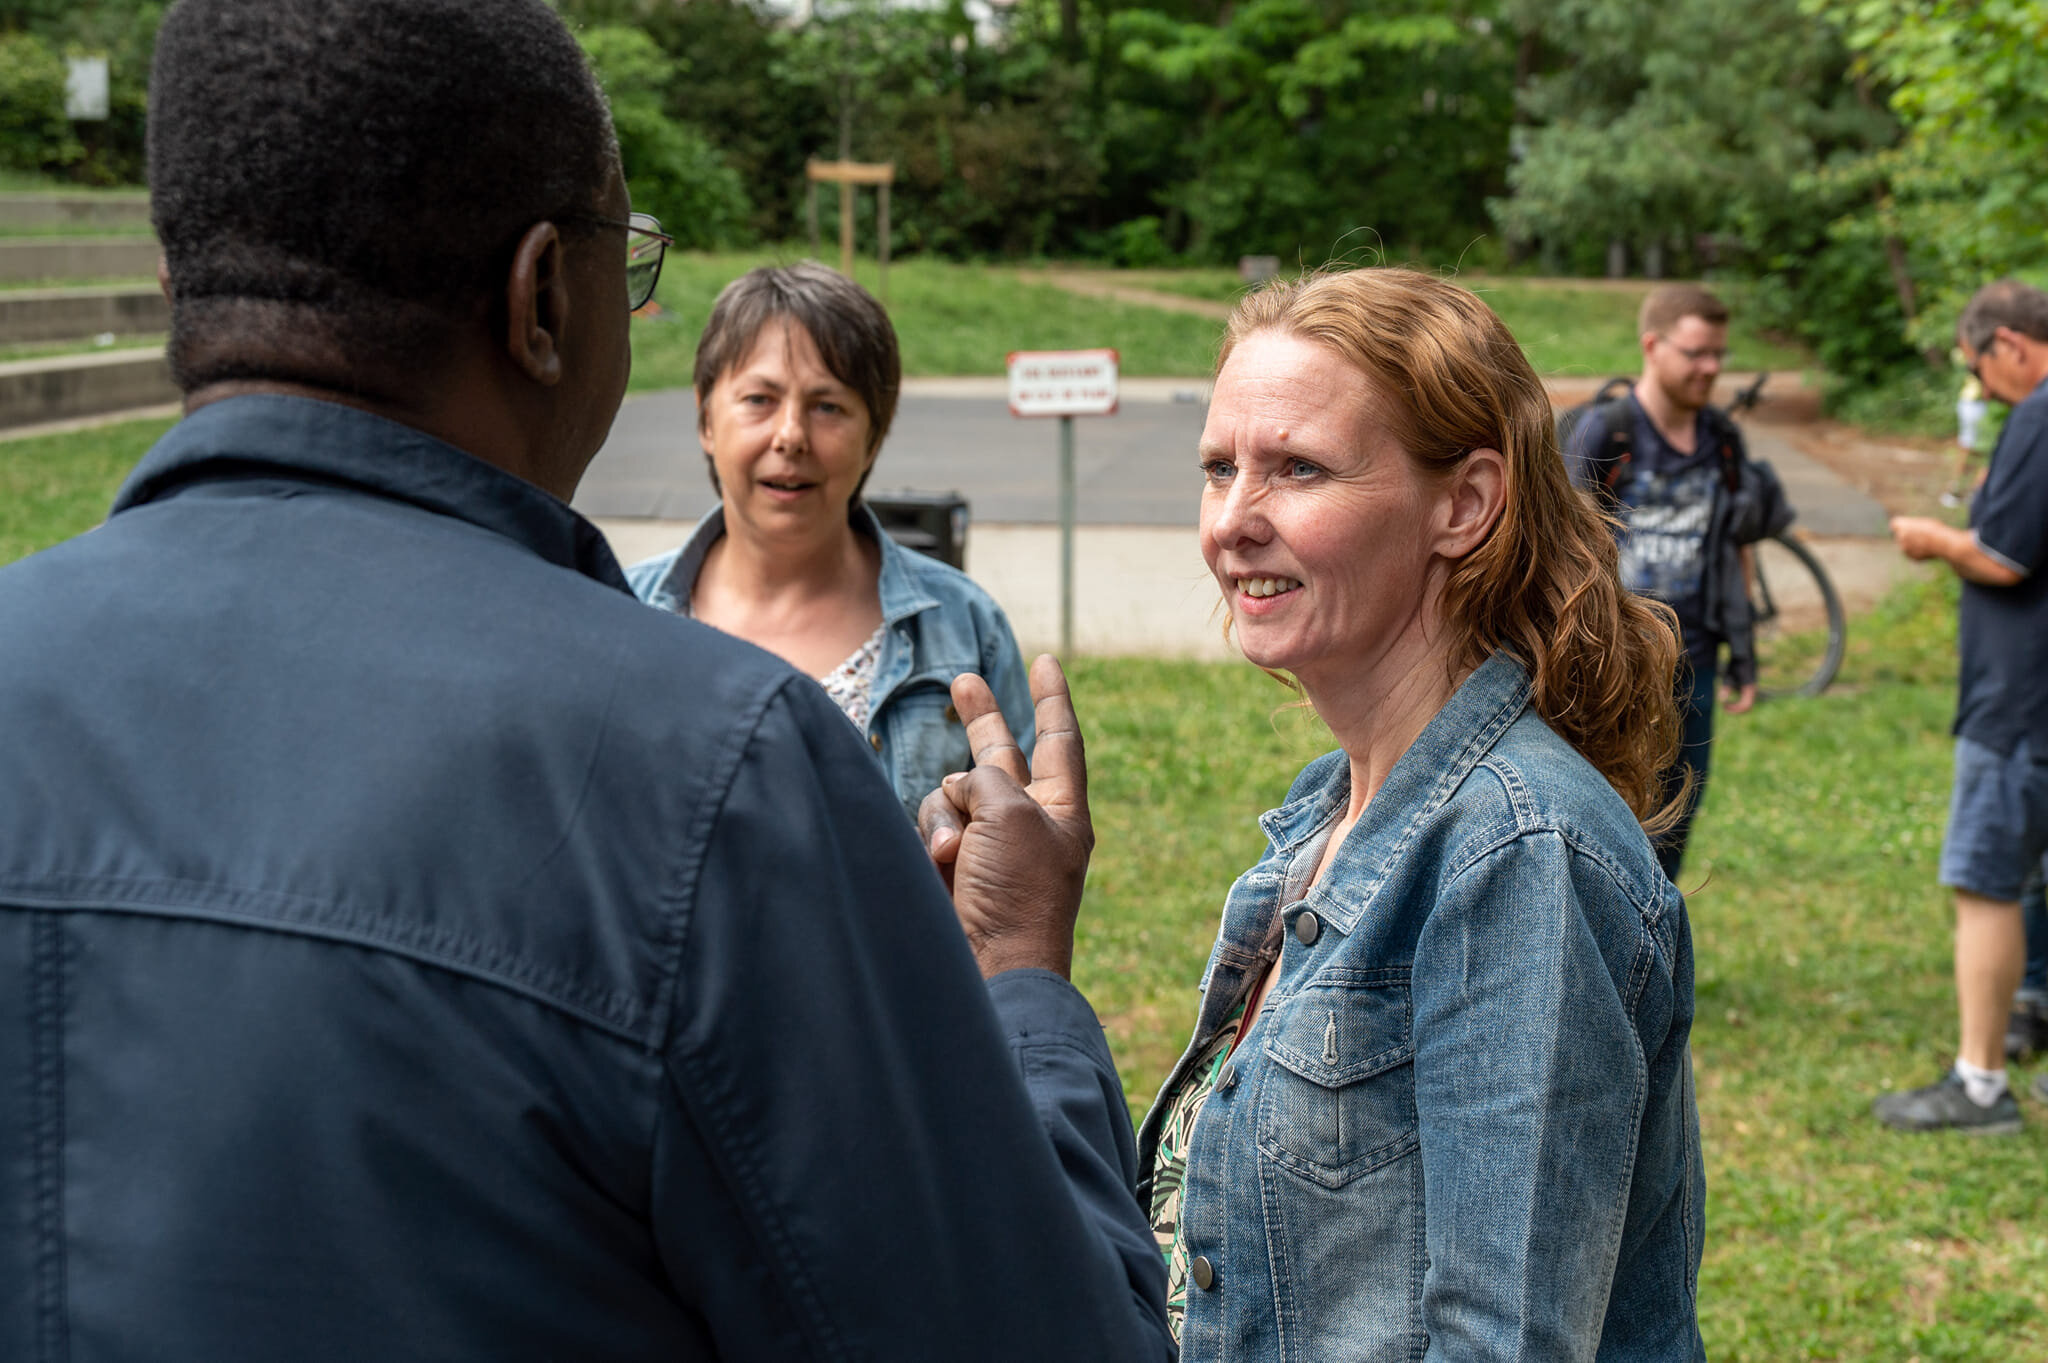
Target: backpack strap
x,y
1616,449
1723,431
1607,462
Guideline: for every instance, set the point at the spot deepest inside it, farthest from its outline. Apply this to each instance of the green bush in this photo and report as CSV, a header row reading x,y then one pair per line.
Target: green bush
x,y
34,132
1140,244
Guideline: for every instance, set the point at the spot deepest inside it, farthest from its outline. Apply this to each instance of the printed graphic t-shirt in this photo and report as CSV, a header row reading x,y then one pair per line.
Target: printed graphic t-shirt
x,y
1667,502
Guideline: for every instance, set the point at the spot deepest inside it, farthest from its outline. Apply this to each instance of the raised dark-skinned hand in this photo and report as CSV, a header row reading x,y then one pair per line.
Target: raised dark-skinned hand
x,y
1013,841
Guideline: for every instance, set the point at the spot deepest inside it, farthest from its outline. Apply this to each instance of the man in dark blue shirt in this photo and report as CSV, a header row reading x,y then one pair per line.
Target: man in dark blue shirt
x,y
1664,491
1998,815
414,946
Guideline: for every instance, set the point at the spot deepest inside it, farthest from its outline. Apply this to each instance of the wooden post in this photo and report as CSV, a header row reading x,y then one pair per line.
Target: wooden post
x,y
847,174
811,211
882,238
846,228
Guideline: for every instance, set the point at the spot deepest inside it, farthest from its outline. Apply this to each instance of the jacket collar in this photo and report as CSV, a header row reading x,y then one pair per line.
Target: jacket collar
x,y
304,439
902,594
1435,765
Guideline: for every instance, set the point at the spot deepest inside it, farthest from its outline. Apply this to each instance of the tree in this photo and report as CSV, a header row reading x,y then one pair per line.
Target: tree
x,y
672,169
1962,193
1657,127
1304,129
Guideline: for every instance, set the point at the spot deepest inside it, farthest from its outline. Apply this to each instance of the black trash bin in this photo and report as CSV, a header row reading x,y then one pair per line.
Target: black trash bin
x,y
933,523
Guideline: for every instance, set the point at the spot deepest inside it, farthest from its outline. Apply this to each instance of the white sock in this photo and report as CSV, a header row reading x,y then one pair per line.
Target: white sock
x,y
1983,1086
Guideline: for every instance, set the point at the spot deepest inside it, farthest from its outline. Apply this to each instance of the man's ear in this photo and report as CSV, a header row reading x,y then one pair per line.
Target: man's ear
x,y
1472,503
537,304
163,275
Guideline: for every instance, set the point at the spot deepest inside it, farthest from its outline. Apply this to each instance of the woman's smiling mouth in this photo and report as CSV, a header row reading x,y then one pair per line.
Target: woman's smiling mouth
x,y
1266,586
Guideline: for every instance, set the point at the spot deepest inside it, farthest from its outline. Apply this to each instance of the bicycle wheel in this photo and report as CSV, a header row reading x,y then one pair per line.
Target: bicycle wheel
x,y
1800,630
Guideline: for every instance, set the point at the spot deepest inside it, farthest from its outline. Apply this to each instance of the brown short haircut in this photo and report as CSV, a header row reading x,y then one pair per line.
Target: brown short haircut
x,y
1670,304
2005,303
849,327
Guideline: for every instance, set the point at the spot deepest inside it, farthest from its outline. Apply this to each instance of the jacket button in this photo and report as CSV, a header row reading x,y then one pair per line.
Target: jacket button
x,y
1228,1079
876,739
1307,928
1203,1272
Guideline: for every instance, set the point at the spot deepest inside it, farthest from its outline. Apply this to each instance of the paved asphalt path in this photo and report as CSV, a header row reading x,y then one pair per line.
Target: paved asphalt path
x,y
1135,468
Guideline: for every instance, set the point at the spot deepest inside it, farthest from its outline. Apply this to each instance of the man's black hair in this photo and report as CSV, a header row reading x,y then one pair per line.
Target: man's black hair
x,y
336,183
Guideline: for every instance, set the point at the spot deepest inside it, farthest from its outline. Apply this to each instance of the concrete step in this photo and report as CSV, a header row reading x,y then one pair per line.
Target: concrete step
x,y
28,316
29,212
26,258
66,386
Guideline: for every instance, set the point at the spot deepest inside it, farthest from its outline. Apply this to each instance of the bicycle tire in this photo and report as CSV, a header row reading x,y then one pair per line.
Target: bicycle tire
x,y
1794,658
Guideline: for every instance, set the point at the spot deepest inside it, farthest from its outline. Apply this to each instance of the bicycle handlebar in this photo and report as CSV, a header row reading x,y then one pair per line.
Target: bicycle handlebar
x,y
1746,398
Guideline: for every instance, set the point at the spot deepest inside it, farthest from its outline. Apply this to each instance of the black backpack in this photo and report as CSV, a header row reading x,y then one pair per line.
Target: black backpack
x,y
1609,464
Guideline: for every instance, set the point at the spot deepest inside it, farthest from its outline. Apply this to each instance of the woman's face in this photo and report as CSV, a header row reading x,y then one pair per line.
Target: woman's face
x,y
789,440
1317,526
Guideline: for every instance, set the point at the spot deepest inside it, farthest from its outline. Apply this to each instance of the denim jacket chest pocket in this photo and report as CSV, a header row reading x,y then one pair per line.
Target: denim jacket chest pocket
x,y
1338,1100
922,740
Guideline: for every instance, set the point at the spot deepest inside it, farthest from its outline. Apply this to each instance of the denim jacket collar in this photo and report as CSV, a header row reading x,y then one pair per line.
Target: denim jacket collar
x,y
305,439
1436,763
902,594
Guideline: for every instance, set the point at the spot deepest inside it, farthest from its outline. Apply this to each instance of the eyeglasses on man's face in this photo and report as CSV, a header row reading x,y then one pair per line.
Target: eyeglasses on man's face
x,y
1697,354
646,244
1981,354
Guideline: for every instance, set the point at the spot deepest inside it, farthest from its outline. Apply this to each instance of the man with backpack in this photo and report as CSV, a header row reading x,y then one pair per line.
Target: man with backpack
x,y
1673,471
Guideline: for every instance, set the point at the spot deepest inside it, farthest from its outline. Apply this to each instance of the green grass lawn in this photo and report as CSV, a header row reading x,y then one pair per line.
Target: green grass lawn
x,y
43,350
1566,327
55,486
950,319
1822,949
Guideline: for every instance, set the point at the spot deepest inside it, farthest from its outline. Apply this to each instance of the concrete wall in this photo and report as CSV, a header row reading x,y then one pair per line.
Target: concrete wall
x,y
31,315
27,258
50,212
57,389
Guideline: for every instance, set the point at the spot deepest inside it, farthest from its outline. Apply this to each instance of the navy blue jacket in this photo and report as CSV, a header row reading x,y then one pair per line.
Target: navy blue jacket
x,y
414,947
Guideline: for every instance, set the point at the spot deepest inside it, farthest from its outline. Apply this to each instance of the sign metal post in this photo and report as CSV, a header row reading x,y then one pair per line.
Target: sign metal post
x,y
1065,384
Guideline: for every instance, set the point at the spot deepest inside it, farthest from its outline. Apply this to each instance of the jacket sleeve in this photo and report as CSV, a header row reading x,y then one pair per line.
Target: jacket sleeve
x,y
1530,1084
862,1150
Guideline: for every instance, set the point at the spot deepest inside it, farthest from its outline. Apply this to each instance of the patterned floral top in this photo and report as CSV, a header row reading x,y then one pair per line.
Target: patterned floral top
x,y
1170,1164
852,684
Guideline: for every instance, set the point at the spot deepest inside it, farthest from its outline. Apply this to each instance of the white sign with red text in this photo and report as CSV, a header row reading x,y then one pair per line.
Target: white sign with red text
x,y
1062,383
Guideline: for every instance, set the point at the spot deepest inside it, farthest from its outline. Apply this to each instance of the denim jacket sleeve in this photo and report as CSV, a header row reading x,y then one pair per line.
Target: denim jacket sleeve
x,y
860,1149
1530,1084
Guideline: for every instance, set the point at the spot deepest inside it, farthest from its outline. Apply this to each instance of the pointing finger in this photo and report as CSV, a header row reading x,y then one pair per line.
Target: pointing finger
x,y
988,735
1059,761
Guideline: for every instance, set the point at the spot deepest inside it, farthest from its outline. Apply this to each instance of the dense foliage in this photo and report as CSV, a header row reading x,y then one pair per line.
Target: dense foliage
x,y
1867,162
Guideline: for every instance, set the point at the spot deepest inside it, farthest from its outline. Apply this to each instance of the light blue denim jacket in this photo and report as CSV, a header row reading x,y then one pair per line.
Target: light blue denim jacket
x,y
1463,1125
941,624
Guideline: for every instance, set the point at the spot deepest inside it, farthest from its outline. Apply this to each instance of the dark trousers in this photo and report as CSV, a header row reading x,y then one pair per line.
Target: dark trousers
x,y
1696,707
